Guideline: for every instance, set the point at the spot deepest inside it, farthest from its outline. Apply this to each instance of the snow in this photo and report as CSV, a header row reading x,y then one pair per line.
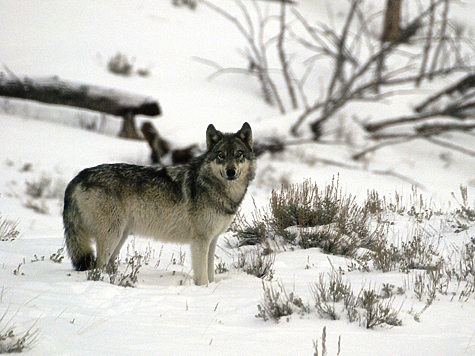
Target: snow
x,y
165,314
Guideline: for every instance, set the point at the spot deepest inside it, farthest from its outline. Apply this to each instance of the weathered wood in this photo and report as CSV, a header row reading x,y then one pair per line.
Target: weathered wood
x,y
392,19
53,90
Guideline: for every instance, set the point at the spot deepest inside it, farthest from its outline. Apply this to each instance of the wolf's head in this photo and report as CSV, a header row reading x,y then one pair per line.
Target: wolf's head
x,y
230,154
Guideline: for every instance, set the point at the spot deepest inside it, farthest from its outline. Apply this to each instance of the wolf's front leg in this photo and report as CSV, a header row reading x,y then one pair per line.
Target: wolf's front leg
x,y
199,260
211,251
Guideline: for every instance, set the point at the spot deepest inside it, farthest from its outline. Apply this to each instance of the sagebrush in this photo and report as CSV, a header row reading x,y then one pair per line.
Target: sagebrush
x,y
306,216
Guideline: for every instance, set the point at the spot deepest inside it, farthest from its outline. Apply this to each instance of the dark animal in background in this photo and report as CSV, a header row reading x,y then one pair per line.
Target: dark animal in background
x,y
161,147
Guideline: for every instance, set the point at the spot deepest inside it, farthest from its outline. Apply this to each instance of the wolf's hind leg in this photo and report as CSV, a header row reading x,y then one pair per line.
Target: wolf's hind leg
x,y
117,249
105,245
104,251
199,260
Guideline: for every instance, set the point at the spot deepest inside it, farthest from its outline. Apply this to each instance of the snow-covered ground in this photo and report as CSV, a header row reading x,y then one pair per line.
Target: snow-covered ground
x,y
165,314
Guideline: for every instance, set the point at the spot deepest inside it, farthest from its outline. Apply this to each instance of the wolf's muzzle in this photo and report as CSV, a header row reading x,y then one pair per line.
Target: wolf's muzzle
x,y
230,174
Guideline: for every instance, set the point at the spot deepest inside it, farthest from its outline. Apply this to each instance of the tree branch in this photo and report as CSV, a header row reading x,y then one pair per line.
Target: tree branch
x,y
283,60
451,146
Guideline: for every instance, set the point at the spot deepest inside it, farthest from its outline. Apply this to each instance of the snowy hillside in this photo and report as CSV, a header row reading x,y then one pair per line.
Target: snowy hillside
x,y
43,147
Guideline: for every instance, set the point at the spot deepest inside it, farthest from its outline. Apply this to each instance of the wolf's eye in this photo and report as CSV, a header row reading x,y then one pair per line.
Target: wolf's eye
x,y
239,154
221,155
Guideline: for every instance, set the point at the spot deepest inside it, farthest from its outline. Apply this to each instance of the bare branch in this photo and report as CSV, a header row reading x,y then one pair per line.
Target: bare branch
x,y
461,86
350,90
283,60
386,172
426,134
257,49
430,129
231,71
231,18
357,94
372,127
341,55
427,46
442,37
207,62
392,173
451,146
395,141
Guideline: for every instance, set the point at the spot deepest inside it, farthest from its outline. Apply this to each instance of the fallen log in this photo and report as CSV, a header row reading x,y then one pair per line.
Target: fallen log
x,y
53,90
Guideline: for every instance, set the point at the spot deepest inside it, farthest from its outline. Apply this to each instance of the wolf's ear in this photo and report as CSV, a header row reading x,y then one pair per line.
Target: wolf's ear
x,y
213,136
245,134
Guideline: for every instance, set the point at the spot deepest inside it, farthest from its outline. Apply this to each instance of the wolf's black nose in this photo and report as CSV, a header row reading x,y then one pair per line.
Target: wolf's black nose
x,y
230,173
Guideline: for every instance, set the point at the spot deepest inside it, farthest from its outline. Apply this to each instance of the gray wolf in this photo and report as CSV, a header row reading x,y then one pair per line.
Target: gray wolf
x,y
192,203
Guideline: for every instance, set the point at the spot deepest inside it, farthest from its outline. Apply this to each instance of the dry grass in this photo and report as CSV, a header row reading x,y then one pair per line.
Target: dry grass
x,y
278,303
13,342
306,216
8,229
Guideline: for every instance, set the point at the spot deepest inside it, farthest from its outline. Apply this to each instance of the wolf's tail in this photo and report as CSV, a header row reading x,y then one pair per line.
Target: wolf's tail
x,y
78,239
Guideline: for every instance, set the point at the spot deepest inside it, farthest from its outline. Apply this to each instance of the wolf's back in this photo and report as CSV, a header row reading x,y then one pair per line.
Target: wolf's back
x,y
78,241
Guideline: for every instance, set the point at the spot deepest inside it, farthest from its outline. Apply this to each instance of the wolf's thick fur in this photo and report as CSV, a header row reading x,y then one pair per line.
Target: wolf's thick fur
x,y
192,203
